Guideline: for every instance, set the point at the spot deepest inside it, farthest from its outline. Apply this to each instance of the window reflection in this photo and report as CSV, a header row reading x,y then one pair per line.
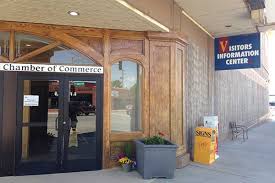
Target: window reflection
x,y
25,44
4,44
126,96
61,55
82,114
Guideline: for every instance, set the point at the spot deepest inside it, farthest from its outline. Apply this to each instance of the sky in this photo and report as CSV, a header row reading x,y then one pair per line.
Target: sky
x,y
130,73
271,57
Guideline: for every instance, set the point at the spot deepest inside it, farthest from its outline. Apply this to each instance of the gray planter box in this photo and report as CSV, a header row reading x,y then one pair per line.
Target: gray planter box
x,y
156,160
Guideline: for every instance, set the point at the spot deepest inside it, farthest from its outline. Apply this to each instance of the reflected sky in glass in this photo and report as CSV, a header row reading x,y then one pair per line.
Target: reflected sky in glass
x,y
128,74
69,56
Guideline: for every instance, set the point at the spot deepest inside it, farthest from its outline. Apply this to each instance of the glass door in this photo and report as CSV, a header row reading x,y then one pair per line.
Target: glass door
x,y
40,116
59,124
82,108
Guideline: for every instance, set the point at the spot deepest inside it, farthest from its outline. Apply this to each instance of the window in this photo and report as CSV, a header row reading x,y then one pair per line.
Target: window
x,y
4,44
25,43
126,97
61,54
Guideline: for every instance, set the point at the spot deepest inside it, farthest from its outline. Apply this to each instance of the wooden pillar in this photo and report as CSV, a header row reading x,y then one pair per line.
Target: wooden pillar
x,y
12,46
167,84
106,99
26,119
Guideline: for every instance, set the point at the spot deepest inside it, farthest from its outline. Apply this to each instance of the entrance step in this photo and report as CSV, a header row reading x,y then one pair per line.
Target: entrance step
x,y
183,160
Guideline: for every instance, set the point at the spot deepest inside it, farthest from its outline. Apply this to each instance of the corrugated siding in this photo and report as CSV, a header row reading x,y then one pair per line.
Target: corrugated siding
x,y
236,95
239,98
197,89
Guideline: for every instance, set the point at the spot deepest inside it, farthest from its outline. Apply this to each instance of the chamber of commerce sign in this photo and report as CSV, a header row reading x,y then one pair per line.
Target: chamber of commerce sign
x,y
238,52
50,68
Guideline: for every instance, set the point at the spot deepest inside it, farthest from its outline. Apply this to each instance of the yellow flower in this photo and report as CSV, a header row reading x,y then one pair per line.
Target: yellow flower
x,y
125,160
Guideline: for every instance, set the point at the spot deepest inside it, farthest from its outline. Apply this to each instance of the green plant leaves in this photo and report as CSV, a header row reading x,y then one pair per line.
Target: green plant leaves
x,y
154,140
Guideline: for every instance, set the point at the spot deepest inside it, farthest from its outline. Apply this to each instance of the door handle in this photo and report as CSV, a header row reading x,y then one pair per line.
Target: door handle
x,y
56,123
67,124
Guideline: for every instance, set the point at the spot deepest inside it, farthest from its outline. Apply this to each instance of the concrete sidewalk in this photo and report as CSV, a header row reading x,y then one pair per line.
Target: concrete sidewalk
x,y
240,162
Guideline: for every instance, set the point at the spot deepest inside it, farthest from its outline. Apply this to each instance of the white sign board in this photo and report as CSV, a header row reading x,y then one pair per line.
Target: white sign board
x,y
115,94
50,68
31,100
210,121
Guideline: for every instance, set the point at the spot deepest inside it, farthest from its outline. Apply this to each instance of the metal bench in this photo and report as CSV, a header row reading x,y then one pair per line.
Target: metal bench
x,y
238,130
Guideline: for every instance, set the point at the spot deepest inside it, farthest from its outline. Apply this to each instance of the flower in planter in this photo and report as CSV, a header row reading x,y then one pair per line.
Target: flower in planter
x,y
157,139
121,155
127,164
156,157
126,158
161,134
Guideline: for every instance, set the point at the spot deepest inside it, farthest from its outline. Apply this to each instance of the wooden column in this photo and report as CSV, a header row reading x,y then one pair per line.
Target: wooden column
x,y
26,119
12,46
106,99
167,57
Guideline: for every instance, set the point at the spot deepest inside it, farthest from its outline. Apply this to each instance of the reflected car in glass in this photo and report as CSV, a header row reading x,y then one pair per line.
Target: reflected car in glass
x,y
86,108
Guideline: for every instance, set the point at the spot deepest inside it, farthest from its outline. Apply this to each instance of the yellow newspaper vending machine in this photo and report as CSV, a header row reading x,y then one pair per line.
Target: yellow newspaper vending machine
x,y
205,142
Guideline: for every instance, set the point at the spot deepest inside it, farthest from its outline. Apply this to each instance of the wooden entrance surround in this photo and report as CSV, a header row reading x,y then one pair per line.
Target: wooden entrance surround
x,y
162,57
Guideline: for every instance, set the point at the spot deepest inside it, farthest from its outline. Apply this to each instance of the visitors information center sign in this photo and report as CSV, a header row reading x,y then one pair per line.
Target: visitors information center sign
x,y
50,68
237,52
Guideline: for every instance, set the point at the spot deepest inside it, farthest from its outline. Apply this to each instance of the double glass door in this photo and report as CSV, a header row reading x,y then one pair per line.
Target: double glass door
x,y
59,124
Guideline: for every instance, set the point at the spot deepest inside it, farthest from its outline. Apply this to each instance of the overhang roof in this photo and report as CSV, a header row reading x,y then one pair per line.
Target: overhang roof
x,y
215,15
110,14
270,16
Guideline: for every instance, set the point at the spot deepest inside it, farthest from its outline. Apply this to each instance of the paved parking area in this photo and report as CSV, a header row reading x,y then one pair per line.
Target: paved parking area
x,y
252,161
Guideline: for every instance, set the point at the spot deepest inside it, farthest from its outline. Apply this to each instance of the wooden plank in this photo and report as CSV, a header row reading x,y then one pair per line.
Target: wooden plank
x,y
129,35
181,150
177,37
4,59
37,52
173,94
59,34
44,28
122,46
94,42
134,57
26,119
129,136
12,46
106,99
180,104
160,56
145,89
78,45
126,51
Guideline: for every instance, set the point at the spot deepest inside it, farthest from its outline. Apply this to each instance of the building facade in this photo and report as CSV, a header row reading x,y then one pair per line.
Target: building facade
x,y
72,96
